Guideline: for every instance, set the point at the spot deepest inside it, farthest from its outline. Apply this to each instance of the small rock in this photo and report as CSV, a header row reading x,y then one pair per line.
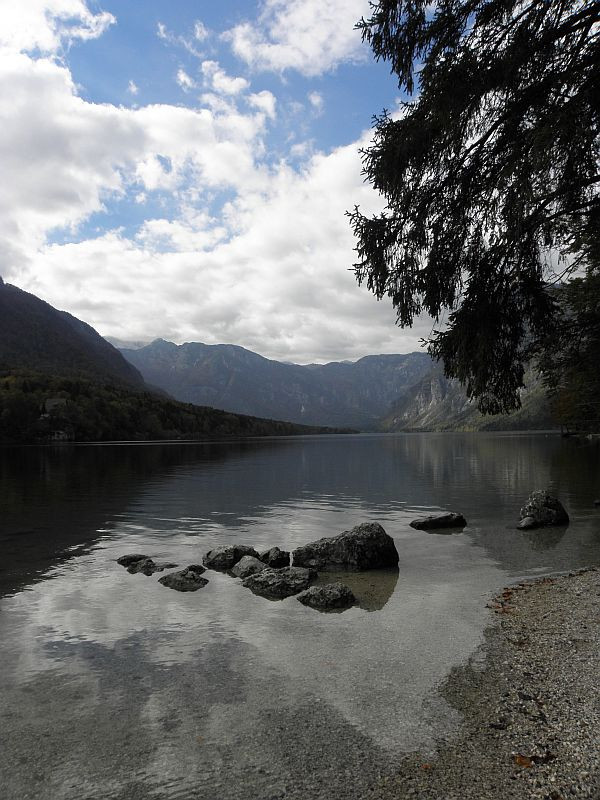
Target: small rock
x,y
279,583
246,566
276,557
542,510
186,580
597,502
148,567
366,546
131,558
331,596
435,521
225,557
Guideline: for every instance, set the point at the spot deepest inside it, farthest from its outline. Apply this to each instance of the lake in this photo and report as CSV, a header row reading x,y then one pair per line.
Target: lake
x,y
113,686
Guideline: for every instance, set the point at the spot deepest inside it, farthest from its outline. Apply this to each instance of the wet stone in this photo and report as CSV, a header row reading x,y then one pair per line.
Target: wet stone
x,y
279,583
246,566
329,597
439,522
186,580
227,556
275,557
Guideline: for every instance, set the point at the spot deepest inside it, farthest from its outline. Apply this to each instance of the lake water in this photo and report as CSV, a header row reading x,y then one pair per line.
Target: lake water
x,y
113,686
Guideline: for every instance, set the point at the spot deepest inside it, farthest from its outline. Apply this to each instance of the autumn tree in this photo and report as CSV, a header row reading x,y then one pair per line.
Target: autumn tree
x,y
490,176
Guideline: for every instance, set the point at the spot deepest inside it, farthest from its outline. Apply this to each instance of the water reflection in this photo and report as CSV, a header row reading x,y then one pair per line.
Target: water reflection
x,y
114,686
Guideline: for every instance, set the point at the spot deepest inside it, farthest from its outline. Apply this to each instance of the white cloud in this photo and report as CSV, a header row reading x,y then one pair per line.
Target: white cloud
x,y
265,101
132,88
184,80
316,101
47,25
246,251
305,35
220,81
200,31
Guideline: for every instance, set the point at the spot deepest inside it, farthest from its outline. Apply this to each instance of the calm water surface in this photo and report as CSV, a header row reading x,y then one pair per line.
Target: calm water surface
x,y
113,686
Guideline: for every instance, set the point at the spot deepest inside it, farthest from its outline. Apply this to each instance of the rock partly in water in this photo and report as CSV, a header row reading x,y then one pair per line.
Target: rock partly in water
x,y
439,521
186,580
330,597
246,566
225,557
279,583
276,558
366,546
148,567
131,558
542,510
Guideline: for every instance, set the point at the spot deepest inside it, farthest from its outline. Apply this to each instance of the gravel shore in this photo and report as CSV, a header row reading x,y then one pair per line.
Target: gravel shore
x,y
530,702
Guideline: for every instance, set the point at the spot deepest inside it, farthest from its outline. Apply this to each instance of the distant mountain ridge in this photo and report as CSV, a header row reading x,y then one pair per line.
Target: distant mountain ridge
x,y
387,393
230,377
34,335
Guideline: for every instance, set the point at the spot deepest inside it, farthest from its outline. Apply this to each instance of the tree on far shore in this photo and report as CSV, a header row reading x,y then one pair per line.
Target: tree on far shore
x,y
490,176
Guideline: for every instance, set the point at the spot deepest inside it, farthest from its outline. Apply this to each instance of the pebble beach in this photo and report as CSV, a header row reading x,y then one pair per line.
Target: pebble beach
x,y
529,700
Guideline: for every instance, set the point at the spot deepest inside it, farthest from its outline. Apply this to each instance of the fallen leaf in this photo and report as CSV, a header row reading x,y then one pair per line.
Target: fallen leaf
x,y
522,761
425,766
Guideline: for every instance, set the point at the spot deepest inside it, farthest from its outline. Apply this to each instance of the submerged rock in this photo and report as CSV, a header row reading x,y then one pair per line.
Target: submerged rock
x,y
186,580
148,566
366,546
435,521
246,566
131,558
276,557
279,583
330,597
225,557
541,510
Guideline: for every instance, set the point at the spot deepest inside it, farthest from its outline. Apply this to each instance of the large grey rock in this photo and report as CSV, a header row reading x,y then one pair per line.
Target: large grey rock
x,y
366,546
279,583
276,557
225,557
186,580
246,566
330,597
542,509
439,521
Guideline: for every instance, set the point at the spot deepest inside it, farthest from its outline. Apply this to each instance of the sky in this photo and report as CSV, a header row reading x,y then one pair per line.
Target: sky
x,y
181,169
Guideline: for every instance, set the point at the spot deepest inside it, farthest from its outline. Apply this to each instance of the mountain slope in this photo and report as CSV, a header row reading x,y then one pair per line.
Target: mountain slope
x,y
436,403
238,380
34,335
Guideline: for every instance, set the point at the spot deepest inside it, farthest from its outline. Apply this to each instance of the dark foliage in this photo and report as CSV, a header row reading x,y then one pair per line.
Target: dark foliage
x,y
490,176
36,407
570,360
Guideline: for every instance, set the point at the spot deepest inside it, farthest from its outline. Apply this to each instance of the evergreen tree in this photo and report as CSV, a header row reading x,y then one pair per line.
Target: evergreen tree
x,y
490,176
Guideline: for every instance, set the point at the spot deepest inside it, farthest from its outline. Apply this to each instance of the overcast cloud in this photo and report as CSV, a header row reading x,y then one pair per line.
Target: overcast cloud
x,y
208,218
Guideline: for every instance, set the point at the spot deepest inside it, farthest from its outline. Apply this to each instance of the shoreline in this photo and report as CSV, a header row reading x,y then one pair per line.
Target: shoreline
x,y
529,701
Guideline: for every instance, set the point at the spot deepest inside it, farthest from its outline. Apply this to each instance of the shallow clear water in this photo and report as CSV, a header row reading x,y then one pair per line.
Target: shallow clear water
x,y
113,686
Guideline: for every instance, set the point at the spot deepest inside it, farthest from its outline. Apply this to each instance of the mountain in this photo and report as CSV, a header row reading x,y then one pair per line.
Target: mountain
x,y
34,335
437,403
61,381
227,376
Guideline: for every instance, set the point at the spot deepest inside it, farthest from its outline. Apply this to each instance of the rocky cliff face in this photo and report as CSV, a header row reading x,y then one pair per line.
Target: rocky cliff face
x,y
436,403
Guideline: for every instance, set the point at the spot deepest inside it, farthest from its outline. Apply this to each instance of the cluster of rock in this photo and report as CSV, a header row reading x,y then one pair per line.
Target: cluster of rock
x,y
277,574
270,574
